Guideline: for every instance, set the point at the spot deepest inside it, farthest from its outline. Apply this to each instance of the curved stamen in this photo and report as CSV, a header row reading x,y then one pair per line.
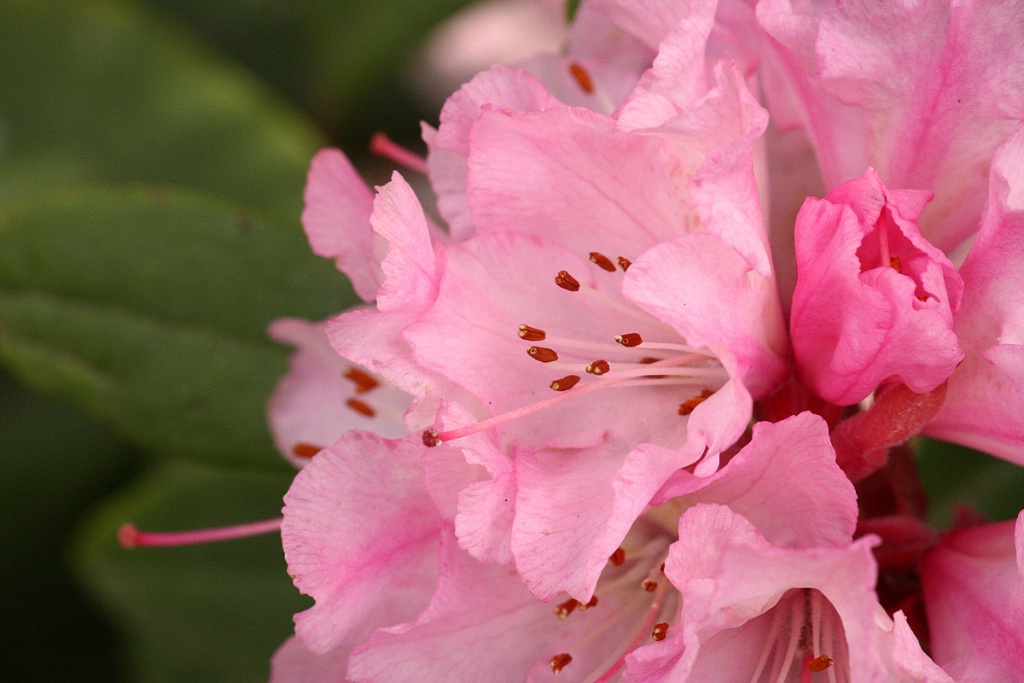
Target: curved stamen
x,y
382,145
129,535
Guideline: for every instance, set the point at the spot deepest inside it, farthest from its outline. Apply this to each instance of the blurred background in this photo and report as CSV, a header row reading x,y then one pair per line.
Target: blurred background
x,y
152,159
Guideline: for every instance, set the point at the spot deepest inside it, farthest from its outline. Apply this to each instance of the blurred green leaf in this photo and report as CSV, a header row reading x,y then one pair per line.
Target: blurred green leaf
x,y
53,464
100,90
213,612
341,61
955,475
148,308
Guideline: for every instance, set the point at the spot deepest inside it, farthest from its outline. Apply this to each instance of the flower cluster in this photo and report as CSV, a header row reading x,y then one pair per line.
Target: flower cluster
x,y
619,407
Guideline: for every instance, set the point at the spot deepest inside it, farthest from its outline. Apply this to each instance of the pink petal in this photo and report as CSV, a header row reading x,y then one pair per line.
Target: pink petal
x,y
295,663
360,537
917,105
323,395
450,146
857,319
974,597
711,296
984,405
337,219
794,456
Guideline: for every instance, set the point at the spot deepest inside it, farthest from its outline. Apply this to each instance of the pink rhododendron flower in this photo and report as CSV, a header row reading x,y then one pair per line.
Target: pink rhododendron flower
x,y
874,302
564,436
974,591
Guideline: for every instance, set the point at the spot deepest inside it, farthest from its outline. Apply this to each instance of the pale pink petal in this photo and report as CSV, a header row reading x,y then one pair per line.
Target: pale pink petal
x,y
295,663
575,508
984,405
712,297
481,625
323,395
974,598
917,104
449,145
579,82
819,506
648,20
874,302
360,536
337,219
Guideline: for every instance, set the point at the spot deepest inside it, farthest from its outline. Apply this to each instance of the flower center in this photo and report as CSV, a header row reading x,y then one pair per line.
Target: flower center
x,y
658,357
805,637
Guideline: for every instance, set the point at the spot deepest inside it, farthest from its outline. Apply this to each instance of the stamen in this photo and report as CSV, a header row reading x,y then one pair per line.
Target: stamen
x,y
382,145
688,406
896,264
567,282
360,407
883,238
542,354
629,340
590,603
363,381
660,631
598,367
305,450
566,608
559,662
531,333
618,558
624,263
565,383
582,77
820,663
602,261
649,585
129,535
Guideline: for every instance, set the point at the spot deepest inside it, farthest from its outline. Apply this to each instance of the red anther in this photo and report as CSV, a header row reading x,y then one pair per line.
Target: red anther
x,y
649,585
687,406
542,354
565,383
582,77
618,558
559,662
360,407
305,450
363,381
531,333
922,297
598,367
566,608
602,261
820,663
590,603
660,631
896,264
624,263
632,339
431,438
567,282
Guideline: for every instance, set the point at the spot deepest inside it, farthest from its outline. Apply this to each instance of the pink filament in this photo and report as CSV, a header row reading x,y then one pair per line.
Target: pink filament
x,y
130,537
382,145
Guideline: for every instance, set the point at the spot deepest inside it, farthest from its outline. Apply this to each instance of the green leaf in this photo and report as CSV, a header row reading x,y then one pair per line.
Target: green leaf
x,y
212,612
54,465
99,90
149,308
956,475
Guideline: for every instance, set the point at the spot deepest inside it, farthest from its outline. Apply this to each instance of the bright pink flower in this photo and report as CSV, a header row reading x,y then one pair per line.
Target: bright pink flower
x,y
984,405
751,610
323,396
874,301
974,595
924,92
